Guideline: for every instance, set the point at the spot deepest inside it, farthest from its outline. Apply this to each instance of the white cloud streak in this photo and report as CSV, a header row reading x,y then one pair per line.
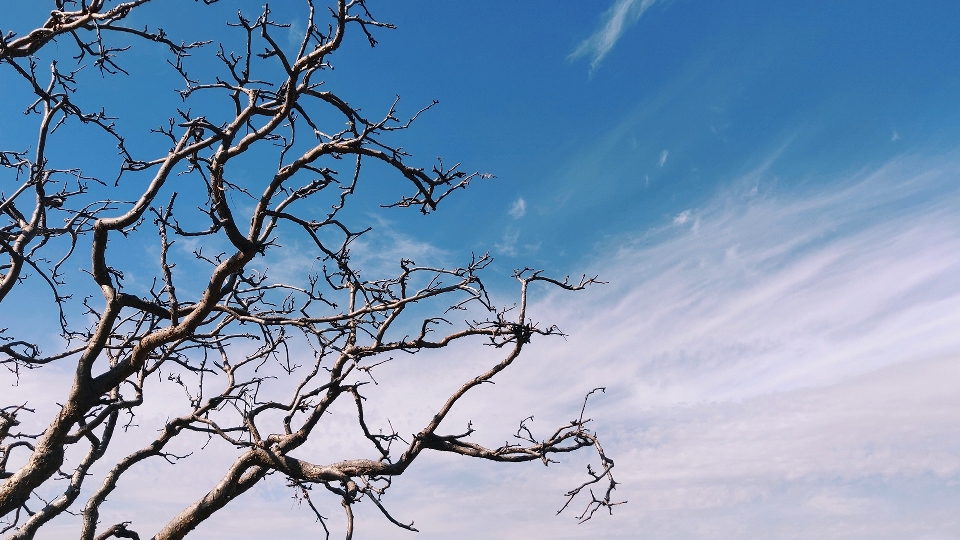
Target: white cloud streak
x,y
615,21
508,245
789,368
518,209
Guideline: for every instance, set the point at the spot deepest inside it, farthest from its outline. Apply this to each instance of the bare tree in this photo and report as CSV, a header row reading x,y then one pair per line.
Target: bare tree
x,y
212,321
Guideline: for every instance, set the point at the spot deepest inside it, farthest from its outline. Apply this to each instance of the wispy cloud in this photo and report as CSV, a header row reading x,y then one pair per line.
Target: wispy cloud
x,y
663,158
858,459
379,251
790,365
518,209
295,33
790,368
508,245
797,290
615,21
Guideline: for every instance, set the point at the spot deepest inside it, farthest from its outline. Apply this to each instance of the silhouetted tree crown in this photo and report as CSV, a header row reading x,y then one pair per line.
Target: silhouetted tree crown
x,y
259,162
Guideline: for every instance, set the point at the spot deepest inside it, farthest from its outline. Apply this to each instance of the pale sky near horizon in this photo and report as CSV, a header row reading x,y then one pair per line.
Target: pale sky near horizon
x,y
772,193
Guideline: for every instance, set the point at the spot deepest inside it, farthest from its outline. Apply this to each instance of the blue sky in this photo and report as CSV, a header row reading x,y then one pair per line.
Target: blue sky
x,y
691,97
773,194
